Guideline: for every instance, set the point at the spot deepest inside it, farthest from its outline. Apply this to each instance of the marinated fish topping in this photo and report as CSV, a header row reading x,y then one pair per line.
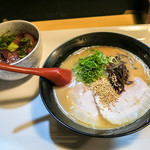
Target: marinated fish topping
x,y
14,47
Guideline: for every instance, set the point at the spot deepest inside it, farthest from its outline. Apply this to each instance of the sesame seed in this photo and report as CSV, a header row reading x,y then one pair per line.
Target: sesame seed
x,y
103,89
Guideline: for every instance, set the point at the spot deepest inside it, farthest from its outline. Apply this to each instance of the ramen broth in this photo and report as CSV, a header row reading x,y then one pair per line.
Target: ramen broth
x,y
65,101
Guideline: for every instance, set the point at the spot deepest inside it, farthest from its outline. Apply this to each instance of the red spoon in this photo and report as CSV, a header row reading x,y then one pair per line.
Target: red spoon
x,y
58,76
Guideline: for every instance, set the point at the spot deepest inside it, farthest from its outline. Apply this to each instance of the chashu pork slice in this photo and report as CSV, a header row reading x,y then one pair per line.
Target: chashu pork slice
x,y
83,105
132,104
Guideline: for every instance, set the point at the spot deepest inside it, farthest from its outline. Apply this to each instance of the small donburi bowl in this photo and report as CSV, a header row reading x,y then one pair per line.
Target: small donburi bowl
x,y
32,60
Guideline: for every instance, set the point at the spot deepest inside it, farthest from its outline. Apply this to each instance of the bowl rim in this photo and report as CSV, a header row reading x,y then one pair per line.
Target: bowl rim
x,y
38,40
76,130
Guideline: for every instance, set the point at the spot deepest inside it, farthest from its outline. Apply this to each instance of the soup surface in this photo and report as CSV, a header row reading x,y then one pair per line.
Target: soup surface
x,y
99,104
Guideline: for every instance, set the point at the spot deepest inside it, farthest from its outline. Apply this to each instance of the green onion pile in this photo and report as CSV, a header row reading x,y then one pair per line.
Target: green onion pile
x,y
92,67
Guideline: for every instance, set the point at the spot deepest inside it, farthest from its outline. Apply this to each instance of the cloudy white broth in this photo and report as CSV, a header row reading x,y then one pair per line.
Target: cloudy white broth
x,y
110,87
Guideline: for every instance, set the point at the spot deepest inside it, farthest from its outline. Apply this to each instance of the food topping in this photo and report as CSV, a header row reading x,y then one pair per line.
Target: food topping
x,y
15,46
12,47
101,95
89,69
98,65
118,76
105,91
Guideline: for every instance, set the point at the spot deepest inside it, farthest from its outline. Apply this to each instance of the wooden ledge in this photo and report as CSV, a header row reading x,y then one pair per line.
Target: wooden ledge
x,y
116,20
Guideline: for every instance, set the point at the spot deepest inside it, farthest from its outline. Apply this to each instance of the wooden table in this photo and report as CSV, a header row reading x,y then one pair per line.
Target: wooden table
x,y
103,21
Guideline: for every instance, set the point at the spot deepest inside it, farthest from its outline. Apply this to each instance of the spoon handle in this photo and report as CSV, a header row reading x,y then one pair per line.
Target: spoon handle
x,y
59,76
18,69
33,71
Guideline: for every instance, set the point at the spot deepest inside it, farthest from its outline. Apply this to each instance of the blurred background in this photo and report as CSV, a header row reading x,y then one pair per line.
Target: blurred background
x,y
33,10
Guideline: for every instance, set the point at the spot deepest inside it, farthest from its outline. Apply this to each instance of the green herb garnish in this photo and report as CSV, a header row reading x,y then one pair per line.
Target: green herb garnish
x,y
25,44
12,47
92,67
22,53
5,40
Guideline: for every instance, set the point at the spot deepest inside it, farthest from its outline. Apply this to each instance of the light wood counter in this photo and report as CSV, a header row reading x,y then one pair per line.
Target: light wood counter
x,y
116,20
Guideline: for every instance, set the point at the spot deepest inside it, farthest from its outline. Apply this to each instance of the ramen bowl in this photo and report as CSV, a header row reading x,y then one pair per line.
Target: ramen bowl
x,y
33,58
66,49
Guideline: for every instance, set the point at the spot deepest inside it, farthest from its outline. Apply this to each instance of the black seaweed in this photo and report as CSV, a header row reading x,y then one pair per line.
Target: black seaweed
x,y
118,76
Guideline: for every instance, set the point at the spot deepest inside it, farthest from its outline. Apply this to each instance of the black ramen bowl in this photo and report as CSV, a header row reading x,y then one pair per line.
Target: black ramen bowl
x,y
92,39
